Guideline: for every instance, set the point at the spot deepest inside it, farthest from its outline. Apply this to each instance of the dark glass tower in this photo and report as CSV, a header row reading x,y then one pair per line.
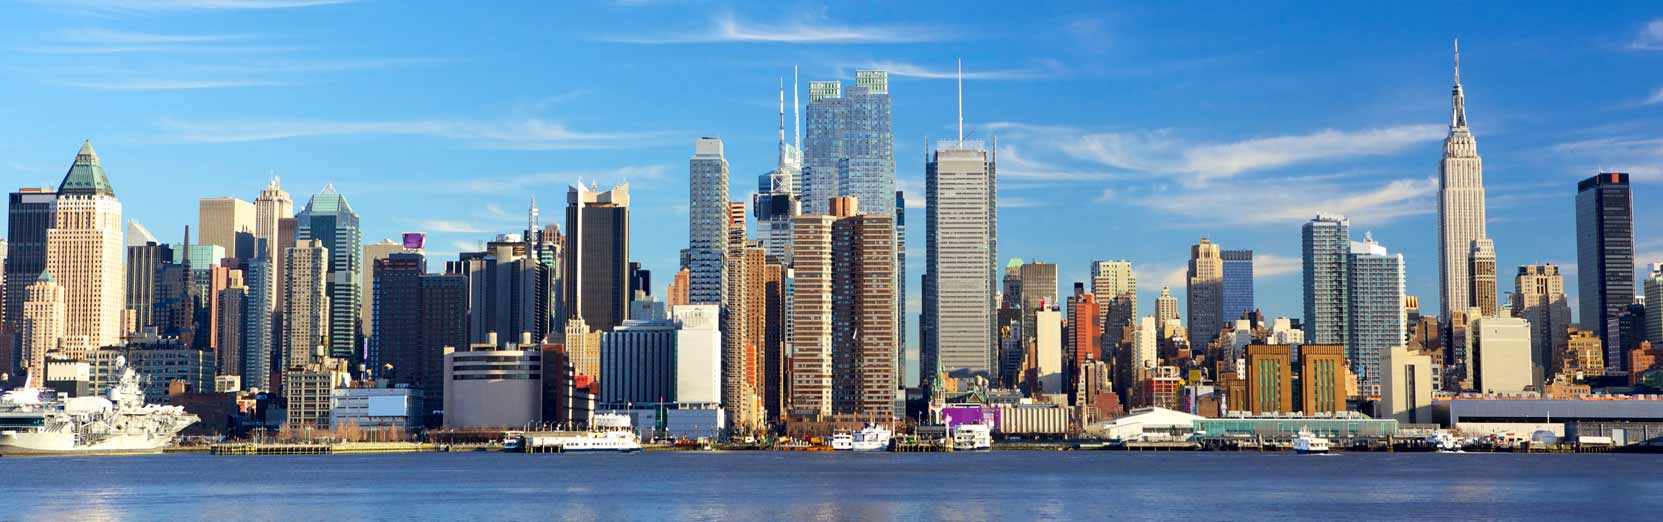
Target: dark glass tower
x,y
1605,258
329,219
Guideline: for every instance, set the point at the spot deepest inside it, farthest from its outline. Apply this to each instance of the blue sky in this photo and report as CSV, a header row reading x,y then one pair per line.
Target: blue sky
x,y
1125,132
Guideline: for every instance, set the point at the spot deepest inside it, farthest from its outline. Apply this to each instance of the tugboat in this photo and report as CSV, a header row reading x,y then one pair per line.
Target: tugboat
x,y
1309,444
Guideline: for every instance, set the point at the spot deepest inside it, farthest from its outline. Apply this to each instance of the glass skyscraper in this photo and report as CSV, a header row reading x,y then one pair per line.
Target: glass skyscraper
x,y
329,219
850,147
1326,241
1605,257
1238,283
1375,318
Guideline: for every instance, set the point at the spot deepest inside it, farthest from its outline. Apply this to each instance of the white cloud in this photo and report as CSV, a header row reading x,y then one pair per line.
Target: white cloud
x,y
525,134
1161,275
451,226
1163,151
1014,165
1106,196
1019,202
912,70
727,28
1295,200
1272,265
524,181
157,84
1656,97
1650,37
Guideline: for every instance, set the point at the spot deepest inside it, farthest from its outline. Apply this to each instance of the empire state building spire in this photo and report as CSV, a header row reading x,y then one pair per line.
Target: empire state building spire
x,y
1458,103
1461,215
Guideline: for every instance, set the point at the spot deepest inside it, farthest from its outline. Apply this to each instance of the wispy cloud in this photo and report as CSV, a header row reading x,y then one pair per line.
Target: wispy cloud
x,y
727,28
451,226
1655,98
1650,37
1163,151
145,6
525,134
161,84
96,40
1275,202
1272,265
497,185
1047,69
1019,202
1016,165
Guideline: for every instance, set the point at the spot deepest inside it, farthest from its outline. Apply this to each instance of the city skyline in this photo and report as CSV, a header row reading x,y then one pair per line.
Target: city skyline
x,y
1368,147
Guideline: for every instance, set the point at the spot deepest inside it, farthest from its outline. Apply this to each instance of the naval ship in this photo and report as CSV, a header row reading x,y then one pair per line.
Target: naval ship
x,y
119,423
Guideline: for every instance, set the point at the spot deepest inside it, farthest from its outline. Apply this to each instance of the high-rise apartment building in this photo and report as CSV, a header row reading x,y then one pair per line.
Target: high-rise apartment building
x,y
864,378
228,222
366,310
595,283
810,334
1166,312
1460,206
1375,319
1605,257
41,325
306,307
707,220
1204,291
1238,283
271,209
1083,344
329,220
1539,298
850,148
1481,271
84,251
1115,287
1326,245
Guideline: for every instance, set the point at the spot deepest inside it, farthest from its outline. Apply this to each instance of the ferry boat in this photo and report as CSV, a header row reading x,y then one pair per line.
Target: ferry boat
x,y
611,432
119,423
1443,442
972,437
870,438
1308,443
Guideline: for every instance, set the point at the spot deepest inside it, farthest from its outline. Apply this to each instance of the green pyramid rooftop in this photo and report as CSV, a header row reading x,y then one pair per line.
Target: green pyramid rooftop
x,y
86,176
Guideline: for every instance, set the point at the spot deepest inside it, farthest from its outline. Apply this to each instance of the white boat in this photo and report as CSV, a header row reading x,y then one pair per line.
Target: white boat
x,y
972,437
1444,442
1308,443
119,423
611,433
842,442
871,438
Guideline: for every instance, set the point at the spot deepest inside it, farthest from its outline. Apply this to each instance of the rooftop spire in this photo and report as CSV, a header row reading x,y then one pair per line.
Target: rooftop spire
x,y
782,121
960,64
86,175
796,112
1458,97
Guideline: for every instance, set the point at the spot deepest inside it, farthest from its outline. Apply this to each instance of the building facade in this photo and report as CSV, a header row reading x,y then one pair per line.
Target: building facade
x,y
1204,291
1326,247
707,221
1460,205
84,252
956,328
1605,257
329,220
596,267
1238,283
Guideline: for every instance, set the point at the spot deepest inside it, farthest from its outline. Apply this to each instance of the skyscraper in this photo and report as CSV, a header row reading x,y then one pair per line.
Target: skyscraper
x,y
1204,292
1116,288
1460,206
1605,257
228,222
145,263
41,325
84,250
1039,292
863,315
1326,242
1375,318
329,220
597,255
1654,300
271,209
811,316
823,146
1238,283
366,310
28,216
306,307
777,201
961,245
1539,297
707,219
850,148
1166,312
1481,271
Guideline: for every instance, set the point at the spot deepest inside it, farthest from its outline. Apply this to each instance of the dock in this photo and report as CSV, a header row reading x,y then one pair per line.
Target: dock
x,y
343,448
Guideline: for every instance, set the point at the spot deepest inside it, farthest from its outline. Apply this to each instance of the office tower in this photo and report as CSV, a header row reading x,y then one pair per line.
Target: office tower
x,y
698,356
1322,378
1084,336
28,216
444,322
851,144
1238,284
271,209
583,345
707,218
1326,243
230,323
259,343
1481,271
1460,205
1654,296
1605,257
287,230
366,314
775,362
1269,379
328,219
1048,357
900,291
1631,324
1204,291
824,148
145,264
1584,354
84,252
1406,393
1039,292
1375,316
1539,298
597,255
41,325
228,222
509,293
1500,348
1144,354
1166,312
639,360
956,327
1116,288
811,315
777,199
306,307
395,314
863,315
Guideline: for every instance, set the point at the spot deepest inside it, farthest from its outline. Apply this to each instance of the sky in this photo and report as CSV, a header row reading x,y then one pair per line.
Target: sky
x,y
1124,131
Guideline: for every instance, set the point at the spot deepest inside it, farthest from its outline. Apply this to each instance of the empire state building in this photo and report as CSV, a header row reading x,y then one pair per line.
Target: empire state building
x,y
1461,213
